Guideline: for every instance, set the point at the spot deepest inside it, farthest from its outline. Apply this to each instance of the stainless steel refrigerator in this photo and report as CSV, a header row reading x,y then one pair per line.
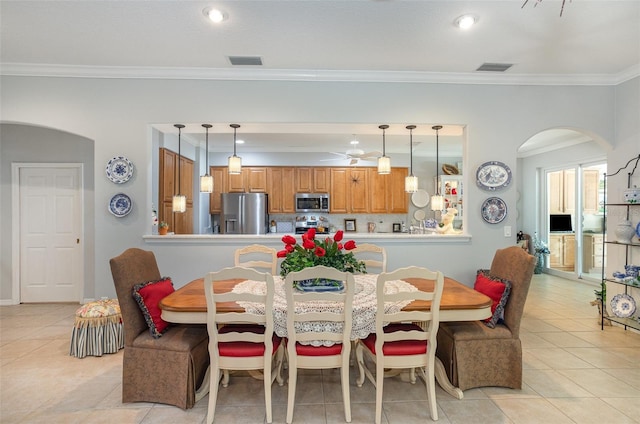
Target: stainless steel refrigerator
x,y
245,213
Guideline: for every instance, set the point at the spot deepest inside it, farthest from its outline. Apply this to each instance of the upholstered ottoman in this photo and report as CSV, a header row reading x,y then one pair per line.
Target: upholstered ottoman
x,y
97,329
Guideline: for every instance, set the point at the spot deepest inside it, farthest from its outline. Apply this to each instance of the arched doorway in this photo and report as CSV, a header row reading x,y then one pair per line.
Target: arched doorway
x,y
570,166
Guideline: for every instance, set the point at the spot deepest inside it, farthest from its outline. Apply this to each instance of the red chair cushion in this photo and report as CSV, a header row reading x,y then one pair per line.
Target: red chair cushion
x,y
402,347
308,350
245,349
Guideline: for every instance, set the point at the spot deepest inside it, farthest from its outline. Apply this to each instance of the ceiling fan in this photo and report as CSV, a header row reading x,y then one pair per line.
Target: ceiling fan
x,y
355,155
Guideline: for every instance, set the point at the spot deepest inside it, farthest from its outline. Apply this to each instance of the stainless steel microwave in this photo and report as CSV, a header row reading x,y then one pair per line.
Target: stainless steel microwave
x,y
312,202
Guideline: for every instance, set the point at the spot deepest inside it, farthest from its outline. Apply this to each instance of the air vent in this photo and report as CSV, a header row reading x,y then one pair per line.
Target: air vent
x,y
494,67
245,60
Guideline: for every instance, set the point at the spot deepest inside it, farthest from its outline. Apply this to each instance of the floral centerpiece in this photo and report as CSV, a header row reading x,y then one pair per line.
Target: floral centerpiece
x,y
329,252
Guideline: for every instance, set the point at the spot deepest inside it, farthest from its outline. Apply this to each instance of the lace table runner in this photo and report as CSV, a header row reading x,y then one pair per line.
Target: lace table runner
x,y
364,306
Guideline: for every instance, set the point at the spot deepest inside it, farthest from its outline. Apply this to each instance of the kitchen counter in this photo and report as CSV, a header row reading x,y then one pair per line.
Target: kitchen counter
x,y
276,238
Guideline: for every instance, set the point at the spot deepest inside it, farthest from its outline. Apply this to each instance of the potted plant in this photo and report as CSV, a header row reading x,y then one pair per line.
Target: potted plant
x,y
163,228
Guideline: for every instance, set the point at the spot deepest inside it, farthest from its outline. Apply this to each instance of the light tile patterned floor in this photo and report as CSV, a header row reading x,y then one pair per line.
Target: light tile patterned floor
x,y
574,373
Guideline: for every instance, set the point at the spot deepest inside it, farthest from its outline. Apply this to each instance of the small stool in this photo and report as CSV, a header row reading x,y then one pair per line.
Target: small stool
x,y
97,329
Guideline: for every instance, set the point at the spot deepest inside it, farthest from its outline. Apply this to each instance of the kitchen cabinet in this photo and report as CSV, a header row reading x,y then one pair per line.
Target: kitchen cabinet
x,y
451,191
219,175
592,253
387,193
252,179
349,190
562,248
312,180
179,223
281,189
562,197
256,181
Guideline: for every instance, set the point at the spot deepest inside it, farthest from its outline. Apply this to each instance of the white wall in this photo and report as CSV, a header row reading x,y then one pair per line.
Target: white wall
x,y
116,114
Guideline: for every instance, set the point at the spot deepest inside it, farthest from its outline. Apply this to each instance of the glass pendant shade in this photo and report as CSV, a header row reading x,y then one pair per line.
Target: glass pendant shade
x,y
235,162
437,202
411,184
179,203
384,165
235,165
206,180
206,184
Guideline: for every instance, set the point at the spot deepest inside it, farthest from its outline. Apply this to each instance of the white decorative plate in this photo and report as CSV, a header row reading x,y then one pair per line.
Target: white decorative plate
x,y
623,305
420,198
120,205
494,210
419,214
493,175
119,170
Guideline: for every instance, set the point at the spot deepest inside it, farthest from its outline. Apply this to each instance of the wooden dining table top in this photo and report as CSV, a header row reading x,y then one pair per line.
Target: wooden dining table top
x,y
455,297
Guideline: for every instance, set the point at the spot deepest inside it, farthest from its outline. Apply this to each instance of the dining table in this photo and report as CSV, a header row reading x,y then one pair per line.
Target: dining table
x,y
187,305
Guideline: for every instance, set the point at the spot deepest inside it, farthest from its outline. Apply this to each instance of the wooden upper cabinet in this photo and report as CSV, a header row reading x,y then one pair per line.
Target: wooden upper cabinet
x,y
179,223
167,167
358,190
236,182
219,175
281,189
321,180
379,189
304,180
256,180
397,198
339,179
590,187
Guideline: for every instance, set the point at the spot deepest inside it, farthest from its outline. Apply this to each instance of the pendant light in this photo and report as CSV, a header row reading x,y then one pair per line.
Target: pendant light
x,y
384,163
235,162
206,181
411,182
437,201
179,200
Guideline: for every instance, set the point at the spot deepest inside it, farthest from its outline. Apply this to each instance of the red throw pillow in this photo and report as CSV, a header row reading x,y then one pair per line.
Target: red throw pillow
x,y
148,295
498,290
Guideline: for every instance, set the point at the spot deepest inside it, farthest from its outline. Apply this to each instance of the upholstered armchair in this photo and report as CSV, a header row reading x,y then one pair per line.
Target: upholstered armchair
x,y
475,355
166,369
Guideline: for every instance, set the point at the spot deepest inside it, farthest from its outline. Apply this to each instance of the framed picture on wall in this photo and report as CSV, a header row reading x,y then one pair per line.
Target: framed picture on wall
x,y
350,225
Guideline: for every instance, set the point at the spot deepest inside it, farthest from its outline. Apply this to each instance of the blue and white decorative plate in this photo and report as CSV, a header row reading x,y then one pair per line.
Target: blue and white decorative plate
x,y
119,170
494,210
120,205
623,305
493,176
638,230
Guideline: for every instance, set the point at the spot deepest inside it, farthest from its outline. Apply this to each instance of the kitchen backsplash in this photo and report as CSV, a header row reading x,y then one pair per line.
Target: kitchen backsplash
x,y
383,222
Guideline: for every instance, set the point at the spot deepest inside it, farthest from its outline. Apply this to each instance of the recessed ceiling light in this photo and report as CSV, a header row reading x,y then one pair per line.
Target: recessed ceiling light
x,y
465,21
215,15
239,141
354,141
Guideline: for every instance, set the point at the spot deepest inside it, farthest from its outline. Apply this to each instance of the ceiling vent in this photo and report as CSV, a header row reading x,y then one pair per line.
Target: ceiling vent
x,y
494,67
245,60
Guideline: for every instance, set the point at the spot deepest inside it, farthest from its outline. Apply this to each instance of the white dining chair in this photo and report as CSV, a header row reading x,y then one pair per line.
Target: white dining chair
x,y
373,256
258,257
398,342
332,323
242,340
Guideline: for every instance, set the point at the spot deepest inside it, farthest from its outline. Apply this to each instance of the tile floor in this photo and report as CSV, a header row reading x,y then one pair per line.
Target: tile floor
x,y
574,373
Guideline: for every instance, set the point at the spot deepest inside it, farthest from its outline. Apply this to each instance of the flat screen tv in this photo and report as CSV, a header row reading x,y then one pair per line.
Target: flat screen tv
x,y
560,223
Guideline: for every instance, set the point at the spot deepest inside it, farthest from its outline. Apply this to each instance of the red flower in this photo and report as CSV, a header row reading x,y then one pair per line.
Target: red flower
x,y
340,246
308,244
289,248
288,240
282,254
350,245
320,251
311,233
338,236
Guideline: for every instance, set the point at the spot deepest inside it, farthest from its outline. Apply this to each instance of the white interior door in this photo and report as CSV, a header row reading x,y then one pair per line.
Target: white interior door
x,y
50,233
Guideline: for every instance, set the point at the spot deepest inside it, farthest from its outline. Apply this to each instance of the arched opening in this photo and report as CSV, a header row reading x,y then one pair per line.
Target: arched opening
x,y
563,205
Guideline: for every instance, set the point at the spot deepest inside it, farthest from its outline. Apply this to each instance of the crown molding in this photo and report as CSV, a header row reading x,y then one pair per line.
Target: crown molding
x,y
244,74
